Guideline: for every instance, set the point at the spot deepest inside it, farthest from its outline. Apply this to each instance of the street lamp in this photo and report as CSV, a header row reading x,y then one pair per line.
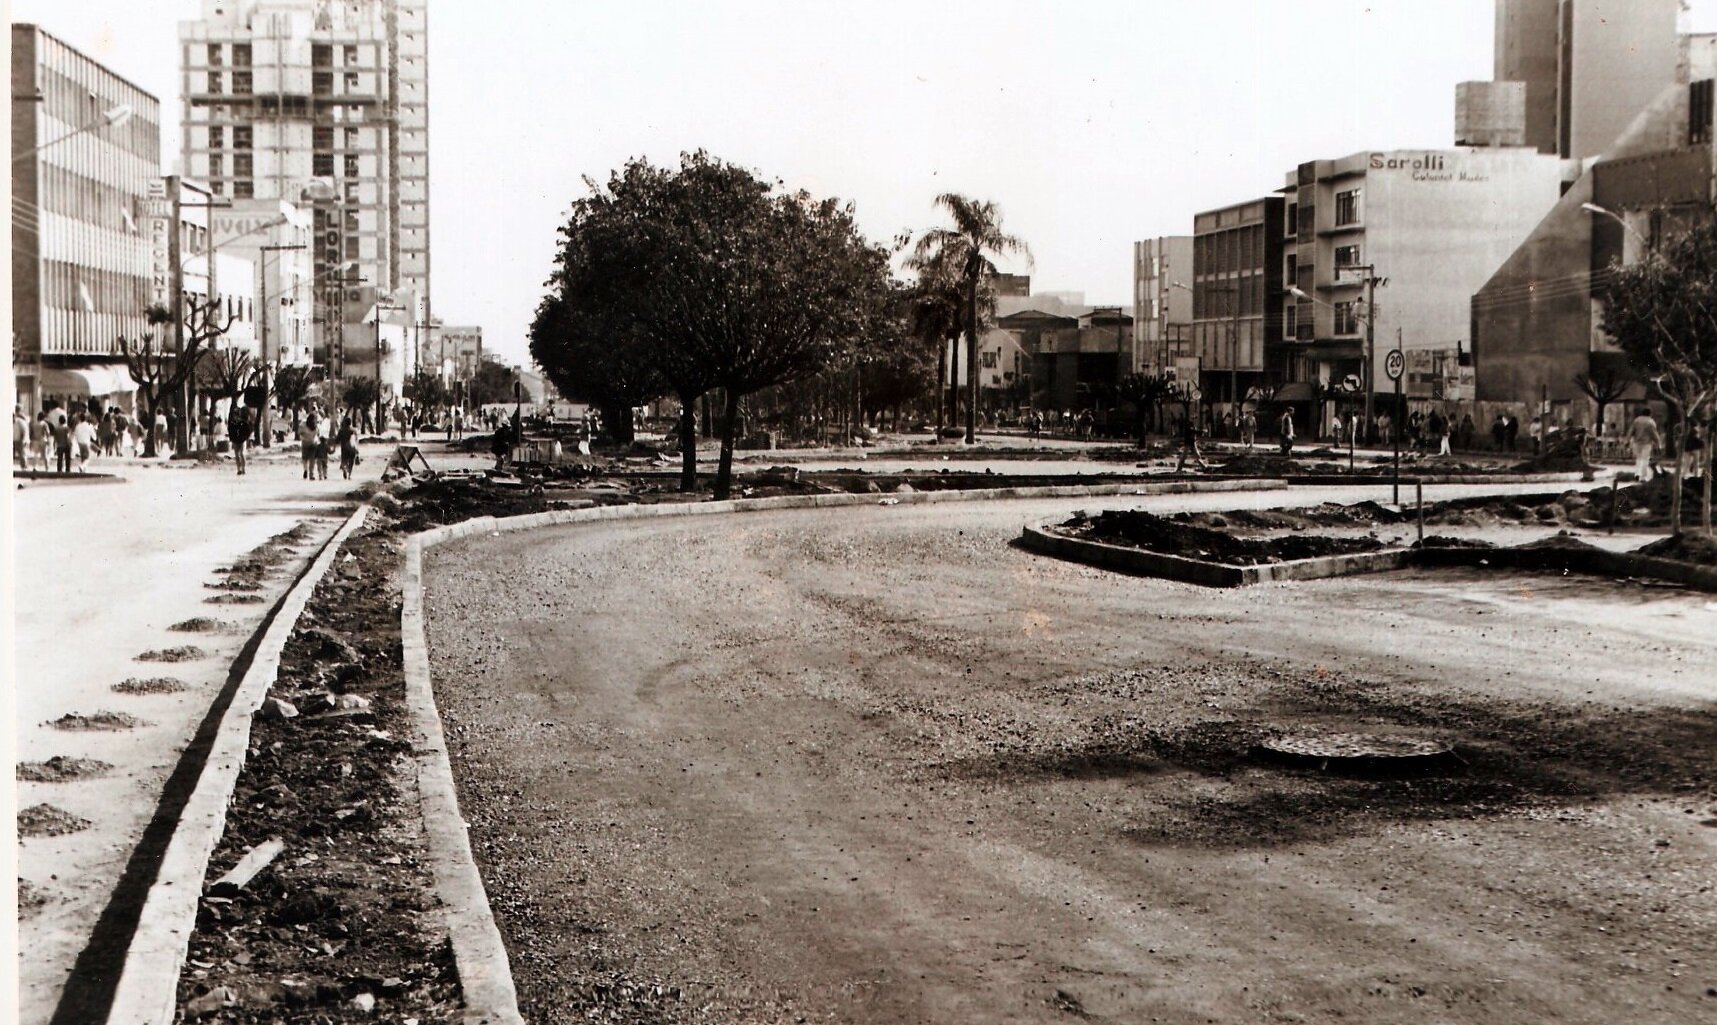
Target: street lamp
x,y
1599,211
113,116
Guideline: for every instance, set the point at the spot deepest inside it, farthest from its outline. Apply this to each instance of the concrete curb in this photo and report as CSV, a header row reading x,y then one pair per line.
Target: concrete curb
x,y
147,990
479,954
1199,571
1596,561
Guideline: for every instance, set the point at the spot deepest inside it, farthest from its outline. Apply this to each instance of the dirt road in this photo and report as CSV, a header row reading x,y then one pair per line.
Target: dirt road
x,y
879,766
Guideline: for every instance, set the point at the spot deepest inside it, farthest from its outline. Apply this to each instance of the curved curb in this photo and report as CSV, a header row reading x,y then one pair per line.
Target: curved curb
x,y
479,954
148,987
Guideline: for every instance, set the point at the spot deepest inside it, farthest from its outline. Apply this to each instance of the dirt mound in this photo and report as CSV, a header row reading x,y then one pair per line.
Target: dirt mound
x,y
1695,548
47,820
1154,533
98,721
234,599
451,500
1562,542
150,685
200,625
31,898
182,653
60,769
1564,451
1445,541
1252,465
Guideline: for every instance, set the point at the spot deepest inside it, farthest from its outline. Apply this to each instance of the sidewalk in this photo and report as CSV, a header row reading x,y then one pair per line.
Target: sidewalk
x,y
100,574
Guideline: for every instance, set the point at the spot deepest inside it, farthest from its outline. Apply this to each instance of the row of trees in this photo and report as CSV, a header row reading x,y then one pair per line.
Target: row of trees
x,y
705,282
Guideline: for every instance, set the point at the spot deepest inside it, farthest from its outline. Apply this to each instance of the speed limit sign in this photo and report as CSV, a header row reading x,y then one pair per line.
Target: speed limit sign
x,y
1394,364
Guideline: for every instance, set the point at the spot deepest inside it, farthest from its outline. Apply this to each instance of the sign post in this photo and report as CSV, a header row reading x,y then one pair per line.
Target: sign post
x,y
1394,365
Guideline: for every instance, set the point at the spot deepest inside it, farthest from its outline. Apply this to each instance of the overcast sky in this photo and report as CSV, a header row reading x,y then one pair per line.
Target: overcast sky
x,y
1090,124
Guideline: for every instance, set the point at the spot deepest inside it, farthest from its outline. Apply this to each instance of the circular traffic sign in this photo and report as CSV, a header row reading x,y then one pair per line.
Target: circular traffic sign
x,y
1394,364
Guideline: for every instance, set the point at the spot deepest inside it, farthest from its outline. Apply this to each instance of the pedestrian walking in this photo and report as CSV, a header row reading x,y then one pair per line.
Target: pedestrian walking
x,y
1248,429
1286,425
501,445
83,439
307,444
1535,431
1510,431
347,437
1188,445
324,436
161,427
39,439
238,433
1646,439
1693,453
20,438
62,433
1437,432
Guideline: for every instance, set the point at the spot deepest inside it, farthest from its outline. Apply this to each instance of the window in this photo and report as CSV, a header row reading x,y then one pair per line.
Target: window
x,y
214,81
214,55
353,250
241,82
322,165
1291,269
242,165
1291,321
242,136
321,55
322,83
1700,105
1292,220
1346,319
351,168
322,137
352,221
219,189
217,165
350,55
217,136
244,188
351,81
241,55
1348,207
1346,256
351,138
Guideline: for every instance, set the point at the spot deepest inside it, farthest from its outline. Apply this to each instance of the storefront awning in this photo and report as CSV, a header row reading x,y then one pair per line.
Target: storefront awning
x,y
92,381
1294,391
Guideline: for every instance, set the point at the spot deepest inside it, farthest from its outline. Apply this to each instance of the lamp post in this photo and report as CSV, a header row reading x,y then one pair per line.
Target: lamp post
x,y
1368,359
112,117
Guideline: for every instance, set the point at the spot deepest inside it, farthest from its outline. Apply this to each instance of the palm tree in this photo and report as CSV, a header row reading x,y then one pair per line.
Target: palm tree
x,y
936,317
966,248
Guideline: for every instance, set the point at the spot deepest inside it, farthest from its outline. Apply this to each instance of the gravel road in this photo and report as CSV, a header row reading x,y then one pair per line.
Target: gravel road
x,y
876,765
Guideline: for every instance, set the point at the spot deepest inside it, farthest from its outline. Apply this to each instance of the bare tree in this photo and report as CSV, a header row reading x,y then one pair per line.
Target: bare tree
x,y
161,369
1604,384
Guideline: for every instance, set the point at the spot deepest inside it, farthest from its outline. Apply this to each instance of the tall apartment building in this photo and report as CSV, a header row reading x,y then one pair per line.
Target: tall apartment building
x,y
1163,313
1586,68
282,93
87,147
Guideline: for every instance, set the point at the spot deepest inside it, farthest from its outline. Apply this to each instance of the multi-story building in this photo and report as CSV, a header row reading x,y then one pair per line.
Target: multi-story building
x,y
1236,284
87,147
1432,225
1162,320
273,237
457,350
1585,68
1537,322
280,94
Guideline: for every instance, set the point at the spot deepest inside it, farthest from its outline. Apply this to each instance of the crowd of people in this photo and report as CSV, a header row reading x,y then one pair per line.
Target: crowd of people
x,y
67,438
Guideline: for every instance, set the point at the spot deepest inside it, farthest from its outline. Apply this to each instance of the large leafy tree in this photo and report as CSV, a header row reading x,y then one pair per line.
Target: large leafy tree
x,y
937,319
1147,393
1662,311
491,382
969,246
713,279
292,389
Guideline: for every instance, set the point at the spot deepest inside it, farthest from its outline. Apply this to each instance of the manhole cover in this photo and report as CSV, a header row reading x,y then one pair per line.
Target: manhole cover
x,y
1324,747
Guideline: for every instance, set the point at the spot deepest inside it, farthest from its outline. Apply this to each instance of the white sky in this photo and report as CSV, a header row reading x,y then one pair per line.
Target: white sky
x,y
1091,124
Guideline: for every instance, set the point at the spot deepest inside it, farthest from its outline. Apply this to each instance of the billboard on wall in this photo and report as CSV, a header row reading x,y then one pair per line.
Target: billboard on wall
x,y
158,228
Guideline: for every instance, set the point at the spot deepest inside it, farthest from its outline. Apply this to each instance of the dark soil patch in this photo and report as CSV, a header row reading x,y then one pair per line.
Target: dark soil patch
x,y
61,769
1155,533
234,599
200,625
260,562
31,898
98,721
151,685
232,585
47,820
1695,548
182,653
348,908
433,503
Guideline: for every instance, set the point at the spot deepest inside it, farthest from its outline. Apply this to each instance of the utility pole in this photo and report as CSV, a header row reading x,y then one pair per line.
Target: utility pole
x,y
1370,358
379,308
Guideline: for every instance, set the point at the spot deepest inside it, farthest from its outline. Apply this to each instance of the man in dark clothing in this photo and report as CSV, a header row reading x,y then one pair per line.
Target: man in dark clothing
x,y
238,432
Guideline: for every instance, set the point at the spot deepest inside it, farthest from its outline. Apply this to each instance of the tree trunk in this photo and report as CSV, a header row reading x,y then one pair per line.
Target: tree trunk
x,y
954,381
1675,496
941,383
150,401
729,427
617,421
689,442
972,363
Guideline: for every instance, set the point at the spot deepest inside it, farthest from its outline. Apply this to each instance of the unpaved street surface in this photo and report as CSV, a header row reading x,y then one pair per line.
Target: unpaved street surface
x,y
876,765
